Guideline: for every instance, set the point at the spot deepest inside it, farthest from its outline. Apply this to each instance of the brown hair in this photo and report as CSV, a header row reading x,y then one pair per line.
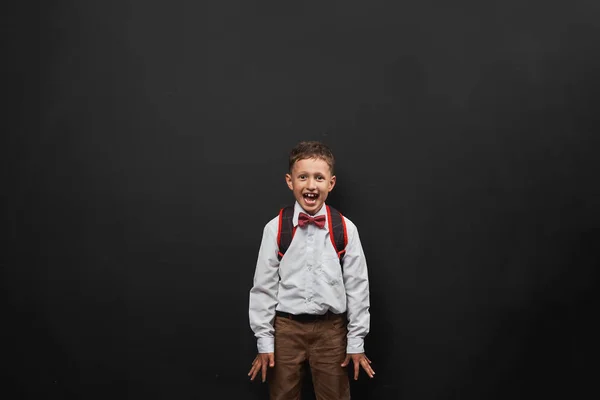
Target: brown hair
x,y
312,149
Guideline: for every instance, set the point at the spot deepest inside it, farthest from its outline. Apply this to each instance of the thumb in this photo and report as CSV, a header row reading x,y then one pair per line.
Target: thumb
x,y
346,360
271,360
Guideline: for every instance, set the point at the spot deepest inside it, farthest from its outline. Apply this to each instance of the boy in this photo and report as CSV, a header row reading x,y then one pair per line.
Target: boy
x,y
306,306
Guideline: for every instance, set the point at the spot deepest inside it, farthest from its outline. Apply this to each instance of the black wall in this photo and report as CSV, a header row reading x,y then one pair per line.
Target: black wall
x,y
145,145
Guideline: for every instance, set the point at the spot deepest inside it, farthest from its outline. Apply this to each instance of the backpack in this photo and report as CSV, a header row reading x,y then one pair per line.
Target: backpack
x,y
336,226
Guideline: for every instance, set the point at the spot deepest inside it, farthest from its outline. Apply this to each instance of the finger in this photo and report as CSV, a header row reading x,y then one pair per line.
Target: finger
x,y
346,361
368,369
264,372
253,372
372,371
356,371
271,360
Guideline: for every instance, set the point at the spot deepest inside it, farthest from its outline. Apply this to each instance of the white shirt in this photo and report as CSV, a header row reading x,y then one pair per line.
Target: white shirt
x,y
311,281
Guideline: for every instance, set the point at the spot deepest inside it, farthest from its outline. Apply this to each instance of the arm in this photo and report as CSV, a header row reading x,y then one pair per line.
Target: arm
x,y
356,282
263,295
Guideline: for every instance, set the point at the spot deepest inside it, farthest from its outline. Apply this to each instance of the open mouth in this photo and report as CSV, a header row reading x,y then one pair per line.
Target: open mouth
x,y
310,198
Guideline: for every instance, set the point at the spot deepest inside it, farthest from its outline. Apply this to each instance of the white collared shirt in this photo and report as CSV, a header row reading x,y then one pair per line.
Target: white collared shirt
x,y
311,281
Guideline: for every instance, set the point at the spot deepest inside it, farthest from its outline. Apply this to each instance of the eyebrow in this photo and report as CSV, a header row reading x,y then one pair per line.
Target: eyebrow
x,y
308,173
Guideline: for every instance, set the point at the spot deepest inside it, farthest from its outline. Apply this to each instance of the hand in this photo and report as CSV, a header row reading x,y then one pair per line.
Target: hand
x,y
362,360
260,364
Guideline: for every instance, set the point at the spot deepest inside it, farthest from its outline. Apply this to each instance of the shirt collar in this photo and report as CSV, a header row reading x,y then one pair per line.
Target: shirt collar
x,y
298,209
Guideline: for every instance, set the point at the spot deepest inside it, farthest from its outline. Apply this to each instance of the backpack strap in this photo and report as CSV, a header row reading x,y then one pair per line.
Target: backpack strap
x,y
285,231
337,232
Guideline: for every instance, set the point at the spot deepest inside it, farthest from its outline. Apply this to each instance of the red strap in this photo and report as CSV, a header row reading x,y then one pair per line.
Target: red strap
x,y
279,230
345,232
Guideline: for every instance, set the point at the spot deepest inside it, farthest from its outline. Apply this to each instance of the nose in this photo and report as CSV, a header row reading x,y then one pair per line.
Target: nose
x,y
311,183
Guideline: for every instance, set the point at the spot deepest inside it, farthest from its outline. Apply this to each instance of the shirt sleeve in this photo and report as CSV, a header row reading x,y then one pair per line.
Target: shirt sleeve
x,y
356,282
263,295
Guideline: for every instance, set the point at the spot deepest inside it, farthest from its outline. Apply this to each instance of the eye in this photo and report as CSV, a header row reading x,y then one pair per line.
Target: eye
x,y
302,177
320,178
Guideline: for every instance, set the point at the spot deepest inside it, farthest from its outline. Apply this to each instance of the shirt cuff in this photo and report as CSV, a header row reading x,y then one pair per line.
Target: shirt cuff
x,y
355,345
266,345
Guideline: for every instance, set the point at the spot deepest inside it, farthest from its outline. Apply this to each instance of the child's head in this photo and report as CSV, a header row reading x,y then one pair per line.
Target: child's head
x,y
311,175
316,150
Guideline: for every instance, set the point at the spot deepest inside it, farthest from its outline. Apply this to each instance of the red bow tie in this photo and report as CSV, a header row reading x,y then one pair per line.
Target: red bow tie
x,y
305,219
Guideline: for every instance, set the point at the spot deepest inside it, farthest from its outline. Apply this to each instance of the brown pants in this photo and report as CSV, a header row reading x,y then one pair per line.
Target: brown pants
x,y
321,342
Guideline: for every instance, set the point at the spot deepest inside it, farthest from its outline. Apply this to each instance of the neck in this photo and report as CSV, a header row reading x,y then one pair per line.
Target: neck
x,y
312,214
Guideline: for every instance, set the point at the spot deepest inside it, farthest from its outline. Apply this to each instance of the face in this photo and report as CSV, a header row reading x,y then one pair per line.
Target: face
x,y
311,181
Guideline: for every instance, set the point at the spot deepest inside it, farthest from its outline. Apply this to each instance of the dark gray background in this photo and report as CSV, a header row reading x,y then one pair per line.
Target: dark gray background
x,y
145,145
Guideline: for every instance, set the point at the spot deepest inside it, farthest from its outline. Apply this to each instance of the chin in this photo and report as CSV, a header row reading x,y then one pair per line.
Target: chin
x,y
312,208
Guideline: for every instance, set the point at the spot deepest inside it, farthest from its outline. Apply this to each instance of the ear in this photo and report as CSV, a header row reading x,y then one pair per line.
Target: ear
x,y
288,180
332,183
